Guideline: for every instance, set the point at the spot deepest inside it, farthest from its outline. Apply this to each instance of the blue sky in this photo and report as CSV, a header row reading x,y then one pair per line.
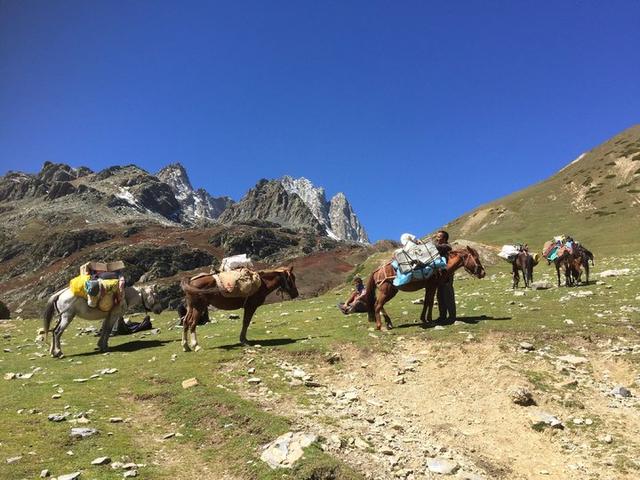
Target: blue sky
x,y
418,110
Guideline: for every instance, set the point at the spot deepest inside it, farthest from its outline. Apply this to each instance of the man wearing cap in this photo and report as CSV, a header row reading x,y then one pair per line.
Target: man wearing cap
x,y
356,302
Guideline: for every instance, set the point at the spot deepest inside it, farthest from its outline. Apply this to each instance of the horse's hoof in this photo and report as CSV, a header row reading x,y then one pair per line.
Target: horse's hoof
x,y
197,348
185,348
389,326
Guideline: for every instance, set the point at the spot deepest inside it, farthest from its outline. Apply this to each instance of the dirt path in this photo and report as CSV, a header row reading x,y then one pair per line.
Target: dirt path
x,y
387,415
178,460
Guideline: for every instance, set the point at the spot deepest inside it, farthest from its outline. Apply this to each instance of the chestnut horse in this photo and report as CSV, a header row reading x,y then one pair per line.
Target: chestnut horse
x,y
201,291
383,276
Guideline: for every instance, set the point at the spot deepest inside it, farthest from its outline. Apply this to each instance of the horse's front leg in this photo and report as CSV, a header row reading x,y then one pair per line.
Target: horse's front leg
x,y
387,318
425,301
249,310
516,276
558,273
192,315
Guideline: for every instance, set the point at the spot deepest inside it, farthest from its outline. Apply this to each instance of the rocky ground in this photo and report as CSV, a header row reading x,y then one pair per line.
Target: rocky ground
x,y
472,411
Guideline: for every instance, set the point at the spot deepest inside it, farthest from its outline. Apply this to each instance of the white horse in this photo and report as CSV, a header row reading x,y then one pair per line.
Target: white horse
x,y
67,306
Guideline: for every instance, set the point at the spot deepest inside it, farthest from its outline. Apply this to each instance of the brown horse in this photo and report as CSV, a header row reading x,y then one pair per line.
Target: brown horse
x,y
201,291
523,262
383,276
579,261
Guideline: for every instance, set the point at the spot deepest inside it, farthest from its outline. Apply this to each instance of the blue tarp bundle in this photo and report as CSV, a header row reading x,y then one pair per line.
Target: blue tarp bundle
x,y
417,274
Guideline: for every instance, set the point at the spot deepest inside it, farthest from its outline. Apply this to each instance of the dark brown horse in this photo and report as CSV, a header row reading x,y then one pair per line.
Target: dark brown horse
x,y
573,262
383,276
202,291
524,262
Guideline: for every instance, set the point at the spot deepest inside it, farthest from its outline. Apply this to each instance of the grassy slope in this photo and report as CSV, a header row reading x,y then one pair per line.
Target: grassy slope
x,y
222,431
596,199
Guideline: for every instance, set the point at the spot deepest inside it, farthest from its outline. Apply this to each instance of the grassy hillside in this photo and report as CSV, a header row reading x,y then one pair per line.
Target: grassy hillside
x,y
596,198
419,392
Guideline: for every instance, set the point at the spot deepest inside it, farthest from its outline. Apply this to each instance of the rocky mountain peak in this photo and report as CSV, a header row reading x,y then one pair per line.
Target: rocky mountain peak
x,y
197,205
342,224
269,201
176,177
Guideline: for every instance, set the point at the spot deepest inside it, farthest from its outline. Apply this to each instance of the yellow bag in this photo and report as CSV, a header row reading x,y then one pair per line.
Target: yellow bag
x,y
77,285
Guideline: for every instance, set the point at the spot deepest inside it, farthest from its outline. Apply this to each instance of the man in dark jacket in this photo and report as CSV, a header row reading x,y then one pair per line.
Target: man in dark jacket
x,y
446,294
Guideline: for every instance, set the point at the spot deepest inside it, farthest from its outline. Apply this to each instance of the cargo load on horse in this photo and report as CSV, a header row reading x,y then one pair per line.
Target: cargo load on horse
x,y
236,261
101,284
415,261
237,283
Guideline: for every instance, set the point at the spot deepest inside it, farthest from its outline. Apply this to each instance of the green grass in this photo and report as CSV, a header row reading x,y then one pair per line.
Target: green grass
x,y
219,425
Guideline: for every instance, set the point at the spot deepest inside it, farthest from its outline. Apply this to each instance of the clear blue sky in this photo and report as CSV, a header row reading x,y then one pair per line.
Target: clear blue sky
x,y
418,110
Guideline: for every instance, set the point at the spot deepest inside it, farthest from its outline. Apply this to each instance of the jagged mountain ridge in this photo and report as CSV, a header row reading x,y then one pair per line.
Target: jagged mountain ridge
x,y
196,204
337,215
595,198
129,193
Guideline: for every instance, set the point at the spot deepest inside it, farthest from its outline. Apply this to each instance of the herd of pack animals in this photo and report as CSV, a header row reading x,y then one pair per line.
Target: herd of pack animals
x,y
201,291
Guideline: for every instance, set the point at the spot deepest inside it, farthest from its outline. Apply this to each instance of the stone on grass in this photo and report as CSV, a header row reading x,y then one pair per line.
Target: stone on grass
x,y
57,417
45,473
82,432
285,450
543,419
69,476
254,380
614,273
101,461
190,382
130,474
12,460
541,285
442,466
573,359
526,346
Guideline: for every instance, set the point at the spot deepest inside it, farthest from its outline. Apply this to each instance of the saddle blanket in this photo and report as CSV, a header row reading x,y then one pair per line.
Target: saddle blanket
x,y
419,274
238,283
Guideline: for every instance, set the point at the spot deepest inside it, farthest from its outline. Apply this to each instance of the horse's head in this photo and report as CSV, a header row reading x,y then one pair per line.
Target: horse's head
x,y
151,299
288,282
471,262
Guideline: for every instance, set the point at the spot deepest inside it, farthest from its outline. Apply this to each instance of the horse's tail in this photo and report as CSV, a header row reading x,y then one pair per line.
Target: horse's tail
x,y
48,314
185,285
371,295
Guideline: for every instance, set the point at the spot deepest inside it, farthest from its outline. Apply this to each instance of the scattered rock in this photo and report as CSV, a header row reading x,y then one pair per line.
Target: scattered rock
x,y
334,358
620,391
57,417
542,419
615,273
285,450
541,285
526,346
83,432
101,461
13,460
45,473
254,380
130,474
116,420
521,396
573,359
190,382
69,476
442,466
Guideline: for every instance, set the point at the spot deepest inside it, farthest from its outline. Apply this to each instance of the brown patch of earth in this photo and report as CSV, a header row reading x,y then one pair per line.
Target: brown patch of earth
x,y
387,413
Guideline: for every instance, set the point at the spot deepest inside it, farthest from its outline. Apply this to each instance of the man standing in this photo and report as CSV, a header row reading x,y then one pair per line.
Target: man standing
x,y
446,294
